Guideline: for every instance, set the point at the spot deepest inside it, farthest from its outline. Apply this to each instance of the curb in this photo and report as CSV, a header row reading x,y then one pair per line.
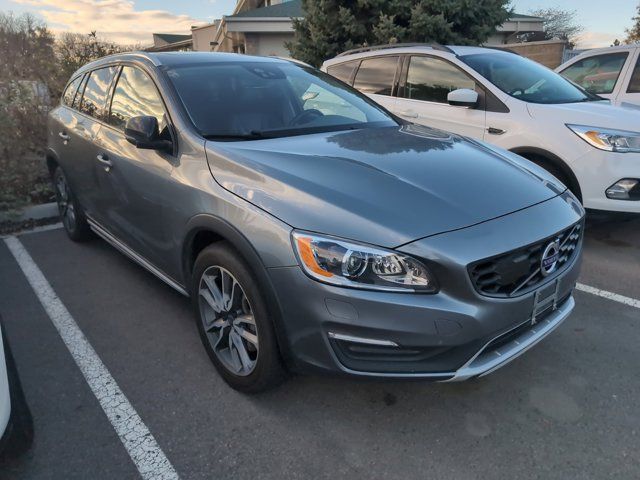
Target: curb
x,y
35,212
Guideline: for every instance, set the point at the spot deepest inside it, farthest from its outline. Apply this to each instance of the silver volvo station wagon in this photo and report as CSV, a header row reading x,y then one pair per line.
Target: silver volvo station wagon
x,y
313,230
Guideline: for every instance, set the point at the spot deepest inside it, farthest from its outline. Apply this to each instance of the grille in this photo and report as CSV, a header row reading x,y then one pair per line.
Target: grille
x,y
518,272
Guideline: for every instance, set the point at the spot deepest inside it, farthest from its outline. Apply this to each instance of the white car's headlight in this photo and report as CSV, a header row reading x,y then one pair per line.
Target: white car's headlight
x,y
608,139
348,264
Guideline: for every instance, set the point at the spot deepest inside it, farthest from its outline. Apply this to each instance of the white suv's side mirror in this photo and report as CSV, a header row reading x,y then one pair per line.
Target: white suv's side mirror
x,y
463,97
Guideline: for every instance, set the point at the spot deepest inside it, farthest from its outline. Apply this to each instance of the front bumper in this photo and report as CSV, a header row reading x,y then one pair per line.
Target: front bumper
x,y
453,335
598,170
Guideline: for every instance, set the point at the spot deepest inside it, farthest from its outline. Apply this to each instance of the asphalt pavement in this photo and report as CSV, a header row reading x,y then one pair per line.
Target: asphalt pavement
x,y
566,409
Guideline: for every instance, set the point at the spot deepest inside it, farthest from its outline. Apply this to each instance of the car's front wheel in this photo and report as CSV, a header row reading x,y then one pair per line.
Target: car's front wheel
x,y
233,321
71,213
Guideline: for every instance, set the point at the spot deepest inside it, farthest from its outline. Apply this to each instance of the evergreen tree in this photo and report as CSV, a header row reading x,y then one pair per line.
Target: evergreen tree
x,y
332,26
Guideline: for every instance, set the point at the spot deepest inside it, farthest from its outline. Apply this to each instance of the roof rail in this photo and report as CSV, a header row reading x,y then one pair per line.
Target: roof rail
x,y
435,46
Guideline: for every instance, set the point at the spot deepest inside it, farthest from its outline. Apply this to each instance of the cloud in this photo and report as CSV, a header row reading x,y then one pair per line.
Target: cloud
x,y
597,39
116,20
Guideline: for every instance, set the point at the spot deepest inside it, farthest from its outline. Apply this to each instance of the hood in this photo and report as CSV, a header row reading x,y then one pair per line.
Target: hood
x,y
594,114
384,186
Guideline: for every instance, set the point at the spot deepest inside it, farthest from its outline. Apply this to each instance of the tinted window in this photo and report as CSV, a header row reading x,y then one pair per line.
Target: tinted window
x,y
376,75
525,79
343,71
597,74
634,83
95,93
70,92
135,95
432,79
247,99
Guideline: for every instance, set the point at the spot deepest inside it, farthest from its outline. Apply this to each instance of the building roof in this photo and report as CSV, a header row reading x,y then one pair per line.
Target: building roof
x,y
172,37
291,9
519,16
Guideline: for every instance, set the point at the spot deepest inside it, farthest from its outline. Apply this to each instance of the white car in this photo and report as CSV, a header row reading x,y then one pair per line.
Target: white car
x,y
16,427
517,104
612,73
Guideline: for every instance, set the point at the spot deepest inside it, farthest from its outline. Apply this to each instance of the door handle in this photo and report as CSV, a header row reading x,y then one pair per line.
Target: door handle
x,y
104,160
409,114
63,136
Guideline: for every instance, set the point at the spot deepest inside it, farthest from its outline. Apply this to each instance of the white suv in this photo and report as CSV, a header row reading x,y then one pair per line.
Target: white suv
x,y
612,73
512,102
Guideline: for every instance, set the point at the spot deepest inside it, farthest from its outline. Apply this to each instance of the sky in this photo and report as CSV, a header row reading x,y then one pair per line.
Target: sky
x,y
133,21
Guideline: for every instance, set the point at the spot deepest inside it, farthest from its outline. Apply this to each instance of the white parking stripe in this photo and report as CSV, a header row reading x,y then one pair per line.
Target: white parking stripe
x,y
143,449
43,228
632,302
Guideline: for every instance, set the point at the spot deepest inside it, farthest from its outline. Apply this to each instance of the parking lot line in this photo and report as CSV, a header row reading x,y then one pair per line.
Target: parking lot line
x,y
608,295
140,444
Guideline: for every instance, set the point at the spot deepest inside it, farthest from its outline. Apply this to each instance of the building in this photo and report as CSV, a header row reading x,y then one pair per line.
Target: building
x,y
263,27
169,42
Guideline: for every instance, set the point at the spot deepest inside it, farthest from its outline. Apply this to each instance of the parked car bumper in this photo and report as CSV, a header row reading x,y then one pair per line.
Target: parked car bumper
x,y
598,170
16,424
455,334
5,398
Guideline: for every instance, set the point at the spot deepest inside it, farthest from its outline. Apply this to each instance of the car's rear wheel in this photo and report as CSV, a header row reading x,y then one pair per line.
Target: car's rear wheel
x,y
71,214
233,321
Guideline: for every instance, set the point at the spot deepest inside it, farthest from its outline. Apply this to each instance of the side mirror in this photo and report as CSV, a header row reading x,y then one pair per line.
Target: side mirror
x,y
143,132
463,97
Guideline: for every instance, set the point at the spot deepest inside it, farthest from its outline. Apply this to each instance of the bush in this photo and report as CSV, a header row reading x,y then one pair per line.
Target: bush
x,y
24,178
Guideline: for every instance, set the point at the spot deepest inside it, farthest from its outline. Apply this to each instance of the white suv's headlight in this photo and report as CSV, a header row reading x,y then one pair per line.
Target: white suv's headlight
x,y
348,264
620,141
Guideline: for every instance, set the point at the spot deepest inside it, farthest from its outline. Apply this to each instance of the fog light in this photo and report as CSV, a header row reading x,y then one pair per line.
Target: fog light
x,y
625,189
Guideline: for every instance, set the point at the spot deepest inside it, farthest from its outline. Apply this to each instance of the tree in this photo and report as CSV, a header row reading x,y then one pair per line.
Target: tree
x,y
26,48
633,33
559,23
332,26
74,50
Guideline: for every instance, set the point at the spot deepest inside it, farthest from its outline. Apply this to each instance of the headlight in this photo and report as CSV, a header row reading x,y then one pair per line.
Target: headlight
x,y
620,141
349,264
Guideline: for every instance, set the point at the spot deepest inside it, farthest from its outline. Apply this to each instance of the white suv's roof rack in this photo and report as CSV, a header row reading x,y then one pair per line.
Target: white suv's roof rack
x,y
435,46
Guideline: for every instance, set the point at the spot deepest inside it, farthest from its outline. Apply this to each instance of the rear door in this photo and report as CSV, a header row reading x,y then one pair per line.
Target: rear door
x,y
134,187
80,129
377,77
61,121
425,84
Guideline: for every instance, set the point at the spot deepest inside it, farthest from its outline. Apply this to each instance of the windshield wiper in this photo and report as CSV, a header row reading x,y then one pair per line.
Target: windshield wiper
x,y
253,135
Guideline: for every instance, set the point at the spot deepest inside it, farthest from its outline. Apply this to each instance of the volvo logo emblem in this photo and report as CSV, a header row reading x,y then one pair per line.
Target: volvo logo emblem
x,y
549,261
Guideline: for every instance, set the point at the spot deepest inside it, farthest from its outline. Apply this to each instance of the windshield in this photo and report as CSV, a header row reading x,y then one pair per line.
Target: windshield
x,y
525,79
251,100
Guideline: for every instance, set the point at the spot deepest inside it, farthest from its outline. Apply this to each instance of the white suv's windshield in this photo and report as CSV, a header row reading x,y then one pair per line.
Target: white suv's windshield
x,y
252,100
525,79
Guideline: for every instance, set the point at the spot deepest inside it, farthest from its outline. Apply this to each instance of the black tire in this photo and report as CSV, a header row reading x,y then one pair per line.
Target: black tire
x,y
268,370
71,213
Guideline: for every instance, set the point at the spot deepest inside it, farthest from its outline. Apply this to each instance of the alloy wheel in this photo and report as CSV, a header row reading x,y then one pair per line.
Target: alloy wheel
x,y
65,204
228,321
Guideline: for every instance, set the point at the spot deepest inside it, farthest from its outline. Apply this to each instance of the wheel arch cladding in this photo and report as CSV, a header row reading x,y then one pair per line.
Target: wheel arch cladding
x,y
204,230
541,157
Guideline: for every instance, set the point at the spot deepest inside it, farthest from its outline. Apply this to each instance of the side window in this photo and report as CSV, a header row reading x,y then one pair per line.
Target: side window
x,y
95,93
376,75
343,71
634,83
431,79
70,92
78,98
135,95
597,74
